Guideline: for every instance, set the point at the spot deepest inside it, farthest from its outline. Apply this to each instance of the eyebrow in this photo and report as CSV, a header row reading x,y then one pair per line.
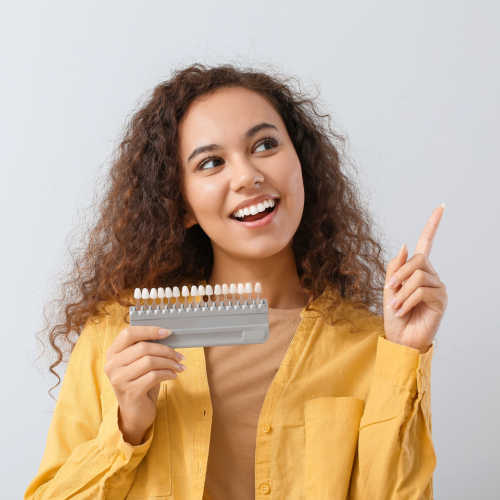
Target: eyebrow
x,y
250,132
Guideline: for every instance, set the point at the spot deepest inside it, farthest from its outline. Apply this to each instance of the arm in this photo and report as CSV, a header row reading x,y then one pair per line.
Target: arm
x,y
395,458
85,454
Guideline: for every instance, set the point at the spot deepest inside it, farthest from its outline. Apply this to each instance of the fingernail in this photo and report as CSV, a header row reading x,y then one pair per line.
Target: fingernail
x,y
179,355
393,281
162,332
181,367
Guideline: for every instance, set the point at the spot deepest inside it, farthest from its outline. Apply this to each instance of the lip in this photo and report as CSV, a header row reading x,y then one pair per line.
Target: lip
x,y
254,201
261,222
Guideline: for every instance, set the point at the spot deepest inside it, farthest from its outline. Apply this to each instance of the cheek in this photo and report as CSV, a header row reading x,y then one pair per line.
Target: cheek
x,y
204,198
294,184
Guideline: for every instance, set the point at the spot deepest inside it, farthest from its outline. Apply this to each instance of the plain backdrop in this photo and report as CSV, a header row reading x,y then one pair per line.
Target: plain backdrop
x,y
414,86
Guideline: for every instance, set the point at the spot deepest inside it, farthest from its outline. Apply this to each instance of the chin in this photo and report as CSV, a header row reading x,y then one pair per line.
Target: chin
x,y
258,250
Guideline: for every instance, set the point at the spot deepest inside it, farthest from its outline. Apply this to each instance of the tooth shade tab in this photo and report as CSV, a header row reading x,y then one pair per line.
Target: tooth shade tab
x,y
254,209
237,299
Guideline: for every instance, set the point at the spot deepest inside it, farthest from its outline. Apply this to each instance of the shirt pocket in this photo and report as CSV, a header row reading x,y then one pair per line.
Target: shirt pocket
x,y
331,434
153,478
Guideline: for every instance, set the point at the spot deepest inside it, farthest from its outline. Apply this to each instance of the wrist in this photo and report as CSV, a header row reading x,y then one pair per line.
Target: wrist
x,y
131,434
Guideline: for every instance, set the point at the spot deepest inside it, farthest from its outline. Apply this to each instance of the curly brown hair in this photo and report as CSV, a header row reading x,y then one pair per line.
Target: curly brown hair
x,y
139,239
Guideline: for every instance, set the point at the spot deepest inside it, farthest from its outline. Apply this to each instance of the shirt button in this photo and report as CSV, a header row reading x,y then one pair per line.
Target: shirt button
x,y
266,428
264,488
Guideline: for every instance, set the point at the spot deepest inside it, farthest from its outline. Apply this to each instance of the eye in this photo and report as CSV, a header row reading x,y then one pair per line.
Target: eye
x,y
204,162
266,140
269,140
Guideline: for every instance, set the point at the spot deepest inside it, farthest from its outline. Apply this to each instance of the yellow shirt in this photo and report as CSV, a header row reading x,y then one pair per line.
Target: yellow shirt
x,y
347,416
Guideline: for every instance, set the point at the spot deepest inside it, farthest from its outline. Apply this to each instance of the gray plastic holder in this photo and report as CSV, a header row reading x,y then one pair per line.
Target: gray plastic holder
x,y
221,324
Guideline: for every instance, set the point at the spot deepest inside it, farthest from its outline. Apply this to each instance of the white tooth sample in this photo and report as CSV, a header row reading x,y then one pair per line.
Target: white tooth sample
x,y
258,288
185,291
217,290
272,203
261,207
145,294
161,293
225,289
201,291
137,294
253,210
176,292
168,292
241,289
194,294
246,211
266,204
209,291
232,289
248,287
153,294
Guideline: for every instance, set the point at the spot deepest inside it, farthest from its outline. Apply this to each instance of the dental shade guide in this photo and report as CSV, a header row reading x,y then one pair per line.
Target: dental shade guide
x,y
241,320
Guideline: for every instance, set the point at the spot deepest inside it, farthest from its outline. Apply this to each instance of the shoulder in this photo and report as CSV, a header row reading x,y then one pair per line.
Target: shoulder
x,y
335,311
102,327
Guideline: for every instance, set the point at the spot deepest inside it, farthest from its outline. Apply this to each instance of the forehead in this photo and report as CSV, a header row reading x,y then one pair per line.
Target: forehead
x,y
224,116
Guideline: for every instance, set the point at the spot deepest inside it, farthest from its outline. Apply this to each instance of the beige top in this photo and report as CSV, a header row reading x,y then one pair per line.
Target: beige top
x,y
239,376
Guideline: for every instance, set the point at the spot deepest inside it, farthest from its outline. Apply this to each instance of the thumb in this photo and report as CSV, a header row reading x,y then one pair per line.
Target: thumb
x,y
396,263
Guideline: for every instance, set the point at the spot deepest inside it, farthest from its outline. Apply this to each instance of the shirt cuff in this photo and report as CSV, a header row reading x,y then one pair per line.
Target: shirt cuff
x,y
110,438
404,366
400,373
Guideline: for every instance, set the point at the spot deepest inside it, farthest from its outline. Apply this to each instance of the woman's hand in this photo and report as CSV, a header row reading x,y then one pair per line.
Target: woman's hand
x,y
420,296
135,369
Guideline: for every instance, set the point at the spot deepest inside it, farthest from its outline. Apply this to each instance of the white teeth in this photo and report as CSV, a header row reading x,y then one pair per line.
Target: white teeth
x,y
234,289
254,209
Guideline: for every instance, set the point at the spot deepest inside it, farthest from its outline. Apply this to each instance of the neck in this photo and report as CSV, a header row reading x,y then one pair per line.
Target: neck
x,y
277,275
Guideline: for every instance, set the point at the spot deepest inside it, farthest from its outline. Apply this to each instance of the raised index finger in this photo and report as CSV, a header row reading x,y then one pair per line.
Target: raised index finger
x,y
424,244
132,334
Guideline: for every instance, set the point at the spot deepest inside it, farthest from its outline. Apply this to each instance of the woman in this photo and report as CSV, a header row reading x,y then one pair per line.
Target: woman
x,y
335,404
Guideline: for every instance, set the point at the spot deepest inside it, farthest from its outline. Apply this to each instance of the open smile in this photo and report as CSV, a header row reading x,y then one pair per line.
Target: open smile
x,y
260,219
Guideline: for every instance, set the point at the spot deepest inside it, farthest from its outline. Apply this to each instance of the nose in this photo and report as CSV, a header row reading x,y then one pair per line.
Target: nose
x,y
244,174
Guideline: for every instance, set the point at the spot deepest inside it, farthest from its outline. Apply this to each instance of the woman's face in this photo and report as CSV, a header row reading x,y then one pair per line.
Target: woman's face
x,y
218,181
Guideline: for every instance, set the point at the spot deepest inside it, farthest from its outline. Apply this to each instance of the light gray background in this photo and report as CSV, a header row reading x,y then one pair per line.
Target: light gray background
x,y
414,86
